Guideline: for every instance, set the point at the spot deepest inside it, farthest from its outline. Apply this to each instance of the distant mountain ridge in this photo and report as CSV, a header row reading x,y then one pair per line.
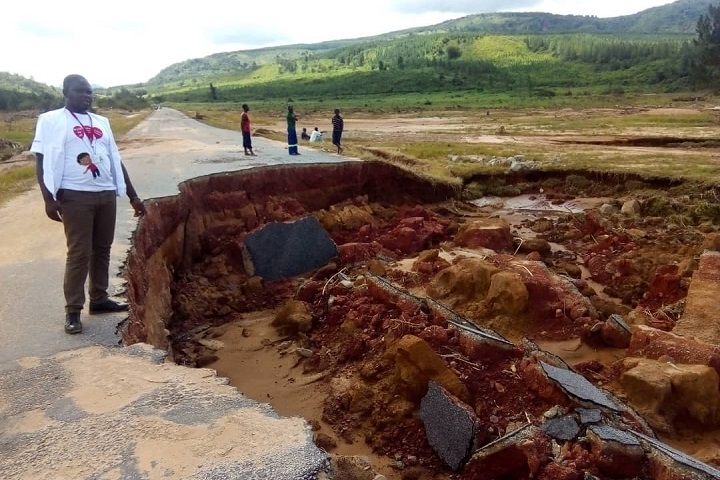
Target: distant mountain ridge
x,y
679,17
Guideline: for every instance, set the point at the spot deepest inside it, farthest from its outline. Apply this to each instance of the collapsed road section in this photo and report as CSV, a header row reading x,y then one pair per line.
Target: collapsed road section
x,y
454,339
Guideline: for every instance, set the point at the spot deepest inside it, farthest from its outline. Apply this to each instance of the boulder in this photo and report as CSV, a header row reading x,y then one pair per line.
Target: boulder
x,y
654,344
416,364
468,280
294,317
539,245
507,294
665,393
631,207
492,233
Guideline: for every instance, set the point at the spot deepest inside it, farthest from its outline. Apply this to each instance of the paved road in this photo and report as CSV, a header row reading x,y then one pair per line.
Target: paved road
x,y
164,150
80,407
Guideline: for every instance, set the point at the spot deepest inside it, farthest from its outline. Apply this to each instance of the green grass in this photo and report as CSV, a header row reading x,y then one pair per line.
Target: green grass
x,y
16,181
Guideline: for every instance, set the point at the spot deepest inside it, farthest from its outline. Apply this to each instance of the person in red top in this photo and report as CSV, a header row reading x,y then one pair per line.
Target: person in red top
x,y
245,129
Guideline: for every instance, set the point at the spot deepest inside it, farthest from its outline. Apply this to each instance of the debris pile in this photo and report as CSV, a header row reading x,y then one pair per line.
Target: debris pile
x,y
440,316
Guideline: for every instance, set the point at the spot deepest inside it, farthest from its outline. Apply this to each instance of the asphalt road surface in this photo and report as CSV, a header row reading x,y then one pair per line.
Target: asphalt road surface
x,y
81,407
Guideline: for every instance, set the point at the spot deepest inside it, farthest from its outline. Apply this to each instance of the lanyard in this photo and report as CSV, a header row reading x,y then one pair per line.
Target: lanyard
x,y
88,131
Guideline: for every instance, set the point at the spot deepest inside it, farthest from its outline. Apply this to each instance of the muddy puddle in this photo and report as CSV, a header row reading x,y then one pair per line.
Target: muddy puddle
x,y
431,302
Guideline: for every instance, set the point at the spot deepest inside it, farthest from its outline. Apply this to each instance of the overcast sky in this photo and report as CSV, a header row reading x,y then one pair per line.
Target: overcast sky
x,y
129,41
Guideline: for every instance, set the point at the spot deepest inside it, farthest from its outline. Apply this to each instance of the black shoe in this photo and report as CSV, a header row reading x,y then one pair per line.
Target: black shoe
x,y
73,324
108,306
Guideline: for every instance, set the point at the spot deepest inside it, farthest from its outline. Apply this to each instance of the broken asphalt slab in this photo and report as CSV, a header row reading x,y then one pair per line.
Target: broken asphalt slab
x,y
578,387
285,249
450,426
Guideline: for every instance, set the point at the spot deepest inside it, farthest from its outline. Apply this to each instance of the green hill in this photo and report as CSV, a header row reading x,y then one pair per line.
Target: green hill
x,y
679,17
20,93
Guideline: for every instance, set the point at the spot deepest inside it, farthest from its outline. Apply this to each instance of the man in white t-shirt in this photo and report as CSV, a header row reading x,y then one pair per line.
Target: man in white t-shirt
x,y
80,173
316,136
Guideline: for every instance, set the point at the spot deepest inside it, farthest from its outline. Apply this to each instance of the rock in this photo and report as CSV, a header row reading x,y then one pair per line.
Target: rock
x,y
539,245
293,317
489,233
712,242
416,364
615,332
589,415
699,320
468,280
519,454
654,344
428,256
450,425
572,270
561,428
214,345
507,294
352,468
631,207
324,441
346,217
304,352
666,393
360,252
361,398
618,453
607,209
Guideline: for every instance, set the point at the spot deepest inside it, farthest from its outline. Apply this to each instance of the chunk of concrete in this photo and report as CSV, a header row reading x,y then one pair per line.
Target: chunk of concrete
x,y
286,249
618,453
607,433
561,428
669,463
578,387
589,415
450,425
521,453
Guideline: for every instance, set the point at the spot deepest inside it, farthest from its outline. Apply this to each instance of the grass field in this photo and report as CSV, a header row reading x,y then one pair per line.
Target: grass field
x,y
428,150
423,132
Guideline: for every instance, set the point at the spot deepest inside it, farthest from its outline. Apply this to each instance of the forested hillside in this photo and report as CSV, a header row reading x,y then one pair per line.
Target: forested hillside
x,y
19,93
531,65
678,18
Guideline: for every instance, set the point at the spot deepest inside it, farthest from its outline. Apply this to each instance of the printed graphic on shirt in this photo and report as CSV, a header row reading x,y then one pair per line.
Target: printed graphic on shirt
x,y
87,131
87,156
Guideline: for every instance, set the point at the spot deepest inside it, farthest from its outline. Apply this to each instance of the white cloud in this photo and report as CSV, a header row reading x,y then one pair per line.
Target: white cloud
x,y
129,41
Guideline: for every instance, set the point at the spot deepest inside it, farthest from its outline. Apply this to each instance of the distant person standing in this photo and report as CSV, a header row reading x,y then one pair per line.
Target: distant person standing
x,y
245,129
338,126
81,174
292,133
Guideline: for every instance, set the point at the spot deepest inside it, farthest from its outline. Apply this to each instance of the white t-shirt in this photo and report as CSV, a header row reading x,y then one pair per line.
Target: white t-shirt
x,y
87,155
316,136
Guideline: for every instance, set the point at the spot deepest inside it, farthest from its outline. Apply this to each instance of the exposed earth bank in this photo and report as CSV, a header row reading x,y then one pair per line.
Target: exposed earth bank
x,y
478,305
